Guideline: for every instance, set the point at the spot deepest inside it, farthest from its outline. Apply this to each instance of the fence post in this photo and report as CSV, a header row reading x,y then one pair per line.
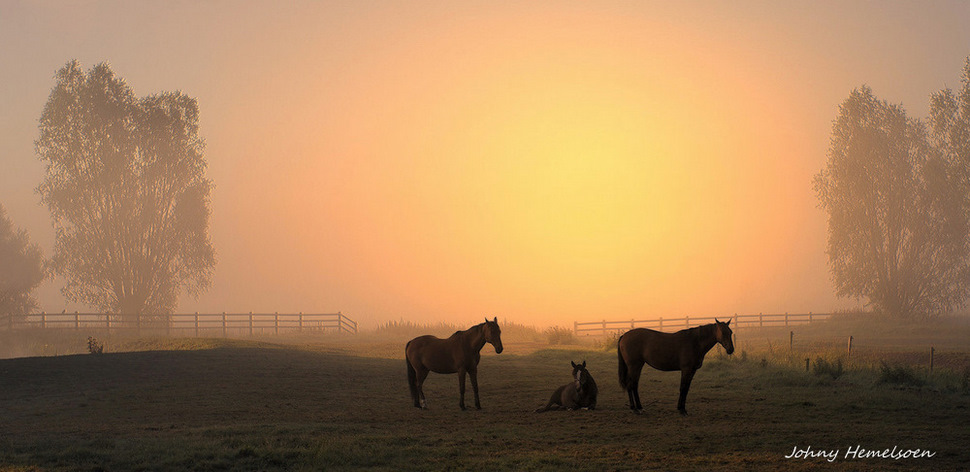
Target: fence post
x,y
932,351
632,321
735,332
276,322
761,320
250,323
43,320
107,321
604,327
791,341
196,324
661,323
301,322
576,328
225,326
77,321
850,345
786,318
809,317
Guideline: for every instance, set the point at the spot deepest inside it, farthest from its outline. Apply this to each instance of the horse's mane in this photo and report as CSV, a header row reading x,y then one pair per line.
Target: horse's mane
x,y
466,330
703,330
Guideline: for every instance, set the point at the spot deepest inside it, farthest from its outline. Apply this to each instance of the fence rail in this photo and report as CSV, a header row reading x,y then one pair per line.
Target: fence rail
x,y
605,327
195,324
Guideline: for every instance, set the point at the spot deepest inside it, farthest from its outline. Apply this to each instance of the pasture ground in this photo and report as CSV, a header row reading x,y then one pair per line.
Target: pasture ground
x,y
343,404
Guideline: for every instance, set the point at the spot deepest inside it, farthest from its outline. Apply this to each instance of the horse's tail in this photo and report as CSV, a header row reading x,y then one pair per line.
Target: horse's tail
x,y
624,375
412,375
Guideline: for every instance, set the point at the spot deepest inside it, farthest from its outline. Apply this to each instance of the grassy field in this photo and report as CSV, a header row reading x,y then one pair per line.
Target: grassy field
x,y
338,403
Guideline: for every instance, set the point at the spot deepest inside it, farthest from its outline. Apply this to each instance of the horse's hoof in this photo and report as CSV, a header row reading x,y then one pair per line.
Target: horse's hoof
x,y
478,407
683,412
637,412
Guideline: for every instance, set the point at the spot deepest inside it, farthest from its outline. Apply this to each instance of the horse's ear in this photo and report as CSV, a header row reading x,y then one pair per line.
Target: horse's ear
x,y
486,319
496,320
728,323
573,363
717,321
584,363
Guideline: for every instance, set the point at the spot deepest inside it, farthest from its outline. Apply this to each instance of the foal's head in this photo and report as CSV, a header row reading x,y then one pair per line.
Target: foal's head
x,y
580,375
724,335
493,334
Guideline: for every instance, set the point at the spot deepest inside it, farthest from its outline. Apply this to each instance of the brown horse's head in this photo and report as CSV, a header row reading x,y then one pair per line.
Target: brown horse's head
x,y
724,335
580,376
493,334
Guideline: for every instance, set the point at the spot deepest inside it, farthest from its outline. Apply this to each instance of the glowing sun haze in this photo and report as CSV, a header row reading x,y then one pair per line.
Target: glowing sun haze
x,y
542,163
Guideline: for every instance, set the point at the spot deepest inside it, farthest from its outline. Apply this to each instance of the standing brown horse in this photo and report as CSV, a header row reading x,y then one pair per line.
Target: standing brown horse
x,y
459,353
683,351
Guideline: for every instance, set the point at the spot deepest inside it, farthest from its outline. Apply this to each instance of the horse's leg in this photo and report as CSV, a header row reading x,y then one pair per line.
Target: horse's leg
x,y
413,383
422,374
686,376
634,388
474,375
461,388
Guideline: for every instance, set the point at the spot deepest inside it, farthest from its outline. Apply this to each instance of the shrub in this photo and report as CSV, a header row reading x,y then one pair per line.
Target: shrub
x,y
610,341
560,335
825,367
900,375
95,346
410,329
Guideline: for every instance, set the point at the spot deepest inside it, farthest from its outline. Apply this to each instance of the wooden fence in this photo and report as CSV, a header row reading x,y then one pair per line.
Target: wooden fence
x,y
186,324
603,328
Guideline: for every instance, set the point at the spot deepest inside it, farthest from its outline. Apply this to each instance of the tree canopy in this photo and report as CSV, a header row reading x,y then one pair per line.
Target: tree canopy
x,y
898,205
127,191
21,270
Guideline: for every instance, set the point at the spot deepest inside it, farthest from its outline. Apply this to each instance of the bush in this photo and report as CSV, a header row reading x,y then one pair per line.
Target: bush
x,y
560,335
825,367
900,375
95,346
610,341
410,329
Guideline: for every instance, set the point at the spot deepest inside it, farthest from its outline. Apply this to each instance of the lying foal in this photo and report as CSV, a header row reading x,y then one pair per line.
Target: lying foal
x,y
580,393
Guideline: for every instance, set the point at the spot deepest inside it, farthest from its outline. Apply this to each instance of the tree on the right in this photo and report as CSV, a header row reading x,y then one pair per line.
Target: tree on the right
x,y
897,195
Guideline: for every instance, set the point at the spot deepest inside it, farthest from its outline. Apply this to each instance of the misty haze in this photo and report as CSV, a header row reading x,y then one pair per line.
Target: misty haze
x,y
272,236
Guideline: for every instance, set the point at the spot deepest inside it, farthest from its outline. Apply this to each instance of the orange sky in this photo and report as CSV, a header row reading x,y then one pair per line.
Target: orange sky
x,y
545,163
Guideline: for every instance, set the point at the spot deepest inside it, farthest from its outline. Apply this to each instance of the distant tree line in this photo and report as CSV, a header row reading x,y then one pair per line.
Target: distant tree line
x,y
897,193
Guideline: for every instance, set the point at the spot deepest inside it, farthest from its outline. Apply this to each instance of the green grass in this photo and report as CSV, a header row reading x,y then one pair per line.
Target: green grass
x,y
344,405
